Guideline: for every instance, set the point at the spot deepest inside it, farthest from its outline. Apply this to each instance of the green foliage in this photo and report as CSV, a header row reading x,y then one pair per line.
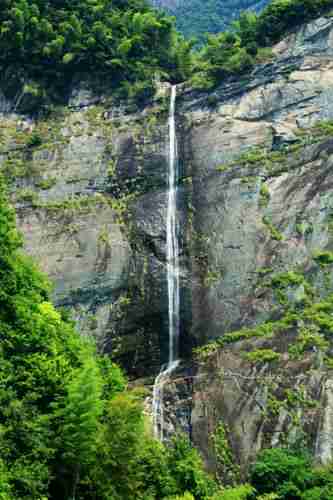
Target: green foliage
x,y
5,488
34,140
227,471
196,18
274,232
237,51
79,412
323,258
264,196
308,338
242,492
38,352
289,278
309,320
186,496
69,428
290,476
263,356
47,183
125,44
186,469
276,470
275,162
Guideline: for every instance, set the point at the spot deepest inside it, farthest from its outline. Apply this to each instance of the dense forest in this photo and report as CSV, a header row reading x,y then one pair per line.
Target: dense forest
x,y
125,44
70,426
195,18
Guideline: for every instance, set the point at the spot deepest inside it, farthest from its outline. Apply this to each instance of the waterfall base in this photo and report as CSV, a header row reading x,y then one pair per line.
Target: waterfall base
x,y
158,404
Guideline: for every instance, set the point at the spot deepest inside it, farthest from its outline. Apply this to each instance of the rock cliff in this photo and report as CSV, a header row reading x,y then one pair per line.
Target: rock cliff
x,y
258,152
256,208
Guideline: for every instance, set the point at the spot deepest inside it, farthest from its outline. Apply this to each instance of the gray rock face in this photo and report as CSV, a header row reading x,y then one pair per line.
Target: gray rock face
x,y
89,184
254,214
262,406
266,112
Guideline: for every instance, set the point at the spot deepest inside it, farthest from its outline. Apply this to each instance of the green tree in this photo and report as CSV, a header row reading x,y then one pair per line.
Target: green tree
x,y
281,471
116,472
80,411
186,468
242,492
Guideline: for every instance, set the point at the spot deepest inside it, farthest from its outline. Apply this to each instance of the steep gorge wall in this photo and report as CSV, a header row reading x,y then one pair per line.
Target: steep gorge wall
x,y
89,185
260,153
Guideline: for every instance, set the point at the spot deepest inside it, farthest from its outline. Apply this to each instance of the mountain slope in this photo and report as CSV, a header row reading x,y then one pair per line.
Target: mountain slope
x,y
196,17
256,208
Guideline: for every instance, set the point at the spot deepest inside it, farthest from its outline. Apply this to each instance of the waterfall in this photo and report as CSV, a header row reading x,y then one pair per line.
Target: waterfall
x,y
172,256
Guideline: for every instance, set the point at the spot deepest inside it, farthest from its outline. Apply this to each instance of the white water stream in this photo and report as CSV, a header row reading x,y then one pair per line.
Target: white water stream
x,y
172,255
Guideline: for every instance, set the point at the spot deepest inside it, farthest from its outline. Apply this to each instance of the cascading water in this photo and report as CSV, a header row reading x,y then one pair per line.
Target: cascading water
x,y
172,255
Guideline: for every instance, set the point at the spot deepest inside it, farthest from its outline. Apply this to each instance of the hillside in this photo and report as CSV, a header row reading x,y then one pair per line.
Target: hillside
x,y
197,17
94,403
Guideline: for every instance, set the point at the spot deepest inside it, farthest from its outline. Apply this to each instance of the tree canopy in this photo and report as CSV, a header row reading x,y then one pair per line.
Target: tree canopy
x,y
44,45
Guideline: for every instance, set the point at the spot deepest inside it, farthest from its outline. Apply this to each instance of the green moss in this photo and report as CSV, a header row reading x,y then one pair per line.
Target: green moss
x,y
27,196
76,204
281,282
227,470
311,321
213,276
307,339
92,322
14,167
264,271
267,330
47,183
289,278
34,140
275,233
224,167
263,356
277,162
304,228
104,236
323,258
111,168
264,55
264,196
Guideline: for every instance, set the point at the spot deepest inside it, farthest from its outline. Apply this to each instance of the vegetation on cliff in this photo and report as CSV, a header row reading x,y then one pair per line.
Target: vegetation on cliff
x,y
124,44
237,51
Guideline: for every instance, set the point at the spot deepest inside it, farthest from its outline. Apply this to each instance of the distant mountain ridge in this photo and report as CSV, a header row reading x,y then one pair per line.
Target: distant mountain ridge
x,y
196,17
